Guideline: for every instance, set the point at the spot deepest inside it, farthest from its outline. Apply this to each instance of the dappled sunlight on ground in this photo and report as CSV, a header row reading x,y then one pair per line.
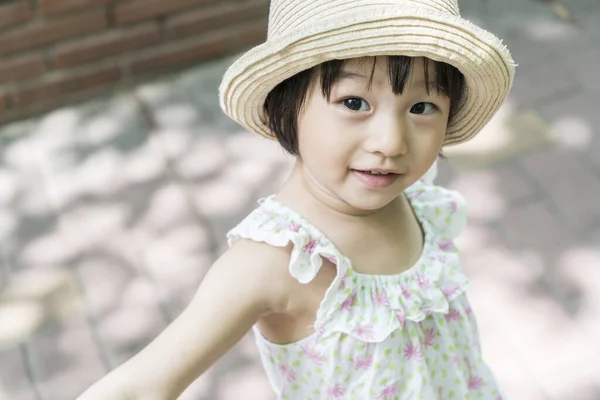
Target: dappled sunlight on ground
x,y
111,213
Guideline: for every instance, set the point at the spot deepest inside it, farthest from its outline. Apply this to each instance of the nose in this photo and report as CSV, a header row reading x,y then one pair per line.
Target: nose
x,y
388,136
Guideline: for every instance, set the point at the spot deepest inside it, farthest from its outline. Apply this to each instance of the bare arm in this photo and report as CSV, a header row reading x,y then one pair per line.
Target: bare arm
x,y
240,287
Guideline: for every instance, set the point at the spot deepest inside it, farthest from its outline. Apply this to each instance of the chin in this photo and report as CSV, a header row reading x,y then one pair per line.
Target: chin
x,y
371,201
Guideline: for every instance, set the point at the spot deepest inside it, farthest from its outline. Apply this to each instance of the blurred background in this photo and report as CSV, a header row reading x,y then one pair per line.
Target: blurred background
x,y
119,177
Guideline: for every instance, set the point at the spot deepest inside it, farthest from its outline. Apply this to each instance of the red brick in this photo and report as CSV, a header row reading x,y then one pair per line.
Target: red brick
x,y
140,10
21,68
53,89
106,45
15,13
179,55
248,35
216,17
3,105
18,114
60,6
50,31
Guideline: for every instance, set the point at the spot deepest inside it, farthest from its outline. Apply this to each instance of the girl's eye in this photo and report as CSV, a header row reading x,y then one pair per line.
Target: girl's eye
x,y
356,104
423,108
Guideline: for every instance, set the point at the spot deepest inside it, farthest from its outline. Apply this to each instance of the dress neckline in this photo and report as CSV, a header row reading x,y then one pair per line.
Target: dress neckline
x,y
384,278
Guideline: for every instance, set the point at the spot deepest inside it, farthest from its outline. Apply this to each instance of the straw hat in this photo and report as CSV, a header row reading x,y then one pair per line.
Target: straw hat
x,y
305,33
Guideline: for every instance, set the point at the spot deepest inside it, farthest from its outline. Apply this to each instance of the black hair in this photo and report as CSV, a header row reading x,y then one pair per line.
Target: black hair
x,y
284,102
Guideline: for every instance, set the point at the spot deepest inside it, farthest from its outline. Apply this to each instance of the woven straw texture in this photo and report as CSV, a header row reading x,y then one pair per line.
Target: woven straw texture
x,y
305,33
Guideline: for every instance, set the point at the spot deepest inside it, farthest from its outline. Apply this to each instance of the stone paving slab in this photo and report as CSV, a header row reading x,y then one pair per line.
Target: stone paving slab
x,y
130,196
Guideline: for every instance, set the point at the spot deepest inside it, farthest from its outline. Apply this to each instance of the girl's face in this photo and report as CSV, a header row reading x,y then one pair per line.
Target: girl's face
x,y
366,145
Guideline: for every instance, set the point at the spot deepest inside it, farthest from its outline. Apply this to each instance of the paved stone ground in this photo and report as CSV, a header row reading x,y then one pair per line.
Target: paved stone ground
x,y
112,211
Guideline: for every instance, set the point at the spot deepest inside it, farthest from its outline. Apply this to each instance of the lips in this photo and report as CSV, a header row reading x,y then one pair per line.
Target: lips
x,y
376,179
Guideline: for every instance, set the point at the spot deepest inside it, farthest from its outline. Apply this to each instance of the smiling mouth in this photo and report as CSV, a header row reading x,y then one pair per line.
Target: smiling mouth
x,y
376,172
376,179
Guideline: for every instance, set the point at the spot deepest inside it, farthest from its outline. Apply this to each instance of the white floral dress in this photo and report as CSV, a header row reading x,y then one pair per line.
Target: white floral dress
x,y
388,337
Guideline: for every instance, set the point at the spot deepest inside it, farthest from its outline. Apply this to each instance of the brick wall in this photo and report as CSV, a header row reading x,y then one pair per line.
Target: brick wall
x,y
54,52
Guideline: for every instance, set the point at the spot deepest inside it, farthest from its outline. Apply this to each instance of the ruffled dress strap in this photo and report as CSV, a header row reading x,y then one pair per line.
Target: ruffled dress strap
x,y
275,224
445,210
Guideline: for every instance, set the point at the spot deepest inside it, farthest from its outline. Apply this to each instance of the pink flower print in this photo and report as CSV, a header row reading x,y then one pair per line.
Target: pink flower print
x,y
469,311
429,338
365,332
313,355
475,382
406,291
453,315
450,290
287,372
310,246
331,259
400,317
423,282
411,351
380,298
336,391
348,303
453,206
388,392
294,227
447,245
361,362
454,359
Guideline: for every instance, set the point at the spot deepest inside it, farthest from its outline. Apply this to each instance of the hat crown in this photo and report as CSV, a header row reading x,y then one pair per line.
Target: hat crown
x,y
287,15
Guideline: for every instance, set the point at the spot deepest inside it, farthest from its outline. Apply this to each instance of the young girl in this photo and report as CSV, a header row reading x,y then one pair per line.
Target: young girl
x,y
348,275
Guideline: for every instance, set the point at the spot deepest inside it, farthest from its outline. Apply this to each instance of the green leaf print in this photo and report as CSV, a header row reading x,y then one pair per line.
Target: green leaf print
x,y
383,382
451,394
446,357
436,346
444,374
388,352
296,363
295,387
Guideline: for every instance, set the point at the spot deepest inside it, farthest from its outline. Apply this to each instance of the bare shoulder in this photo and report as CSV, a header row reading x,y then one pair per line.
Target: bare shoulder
x,y
260,266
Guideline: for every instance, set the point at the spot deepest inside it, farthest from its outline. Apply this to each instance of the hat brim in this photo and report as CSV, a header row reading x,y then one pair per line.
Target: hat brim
x,y
376,31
